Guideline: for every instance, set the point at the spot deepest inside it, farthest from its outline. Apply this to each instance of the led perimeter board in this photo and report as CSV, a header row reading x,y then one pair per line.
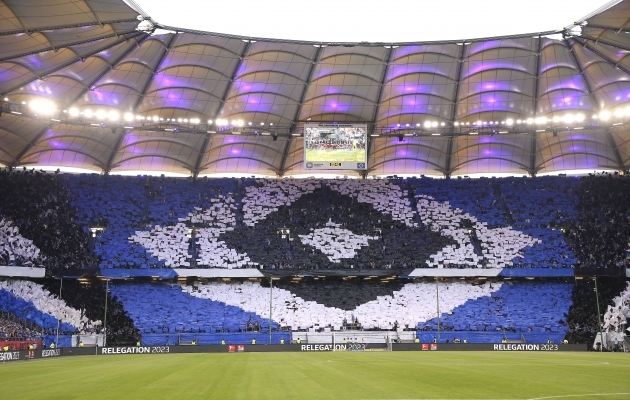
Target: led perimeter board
x,y
335,146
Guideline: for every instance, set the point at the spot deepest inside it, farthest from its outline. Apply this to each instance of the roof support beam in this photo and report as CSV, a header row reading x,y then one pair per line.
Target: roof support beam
x,y
204,147
7,5
146,87
52,47
532,155
29,146
616,64
537,83
67,64
106,70
377,107
460,68
449,156
606,42
309,77
231,82
69,26
108,167
87,3
285,154
581,71
613,144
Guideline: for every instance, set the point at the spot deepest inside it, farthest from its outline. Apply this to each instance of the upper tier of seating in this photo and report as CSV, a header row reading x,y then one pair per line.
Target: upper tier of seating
x,y
146,222
331,224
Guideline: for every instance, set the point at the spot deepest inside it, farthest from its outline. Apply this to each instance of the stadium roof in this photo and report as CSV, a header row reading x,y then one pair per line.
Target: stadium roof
x,y
96,85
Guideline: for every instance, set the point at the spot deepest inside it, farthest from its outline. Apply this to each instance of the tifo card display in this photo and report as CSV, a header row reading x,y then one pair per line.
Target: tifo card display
x,y
335,146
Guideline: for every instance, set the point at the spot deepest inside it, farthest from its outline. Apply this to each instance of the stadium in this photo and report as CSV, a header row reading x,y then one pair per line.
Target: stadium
x,y
200,214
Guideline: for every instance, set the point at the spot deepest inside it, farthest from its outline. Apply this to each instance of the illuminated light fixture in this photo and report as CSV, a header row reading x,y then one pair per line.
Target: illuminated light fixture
x,y
618,113
169,130
478,123
540,130
502,122
397,125
618,123
74,112
467,123
265,133
88,113
42,106
15,112
128,117
295,134
472,133
417,125
113,115
262,124
436,134
195,121
407,125
185,120
578,128
56,120
128,127
605,115
518,121
556,119
24,103
595,116
442,124
375,135
271,124
503,131
233,122
434,124
139,117
156,118
100,114
240,122
6,99
209,121
408,134
579,117
509,121
456,123
568,118
530,121
249,123
95,124
541,120
180,120
161,119
427,124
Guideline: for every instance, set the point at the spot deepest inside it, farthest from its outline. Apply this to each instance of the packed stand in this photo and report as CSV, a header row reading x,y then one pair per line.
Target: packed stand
x,y
14,328
601,233
38,208
15,249
583,315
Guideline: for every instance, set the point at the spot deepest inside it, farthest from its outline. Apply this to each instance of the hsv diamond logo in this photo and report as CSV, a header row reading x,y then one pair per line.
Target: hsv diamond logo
x,y
312,224
360,165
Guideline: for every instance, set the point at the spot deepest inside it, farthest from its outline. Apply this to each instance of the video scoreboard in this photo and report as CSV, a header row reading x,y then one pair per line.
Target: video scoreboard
x,y
335,146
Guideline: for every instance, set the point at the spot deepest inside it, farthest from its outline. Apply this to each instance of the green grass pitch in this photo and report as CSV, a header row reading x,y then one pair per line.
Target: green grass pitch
x,y
338,375
335,155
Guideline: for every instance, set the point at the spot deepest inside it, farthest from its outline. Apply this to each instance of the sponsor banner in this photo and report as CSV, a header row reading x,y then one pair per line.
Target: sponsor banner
x,y
51,353
323,347
11,356
240,347
231,348
134,350
488,347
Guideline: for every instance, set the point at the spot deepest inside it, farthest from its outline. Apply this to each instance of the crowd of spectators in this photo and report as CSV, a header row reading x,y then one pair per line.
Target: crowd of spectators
x,y
600,235
89,298
38,204
583,318
13,328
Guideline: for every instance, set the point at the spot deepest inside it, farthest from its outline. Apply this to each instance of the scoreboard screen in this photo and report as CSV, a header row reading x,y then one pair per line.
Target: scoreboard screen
x,y
335,146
